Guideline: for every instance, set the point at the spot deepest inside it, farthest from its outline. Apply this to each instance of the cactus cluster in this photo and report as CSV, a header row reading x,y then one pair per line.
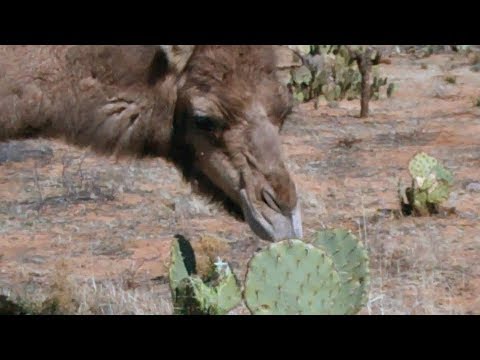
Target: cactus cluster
x,y
192,295
424,51
431,184
330,71
328,275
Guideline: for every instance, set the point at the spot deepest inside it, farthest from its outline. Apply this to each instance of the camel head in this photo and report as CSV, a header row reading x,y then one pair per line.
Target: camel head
x,y
229,112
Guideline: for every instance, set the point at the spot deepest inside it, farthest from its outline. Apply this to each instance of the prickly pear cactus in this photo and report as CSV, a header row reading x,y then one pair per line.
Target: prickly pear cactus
x,y
192,295
197,298
420,167
291,277
351,261
331,72
376,85
431,183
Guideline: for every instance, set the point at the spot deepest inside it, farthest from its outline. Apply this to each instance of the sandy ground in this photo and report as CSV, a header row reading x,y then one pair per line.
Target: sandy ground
x,y
99,230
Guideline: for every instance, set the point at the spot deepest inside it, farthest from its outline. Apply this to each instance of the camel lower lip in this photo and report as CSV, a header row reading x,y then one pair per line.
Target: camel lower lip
x,y
277,228
256,221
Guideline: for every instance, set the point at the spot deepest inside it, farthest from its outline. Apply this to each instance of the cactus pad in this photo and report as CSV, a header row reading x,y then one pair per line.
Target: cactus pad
x,y
193,297
438,194
229,294
351,261
302,75
420,168
291,277
178,270
423,169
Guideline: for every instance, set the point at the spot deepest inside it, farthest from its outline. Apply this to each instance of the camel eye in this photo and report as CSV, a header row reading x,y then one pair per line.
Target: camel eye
x,y
205,123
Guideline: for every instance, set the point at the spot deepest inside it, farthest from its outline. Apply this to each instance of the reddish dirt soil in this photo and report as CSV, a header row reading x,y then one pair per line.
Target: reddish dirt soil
x,y
108,222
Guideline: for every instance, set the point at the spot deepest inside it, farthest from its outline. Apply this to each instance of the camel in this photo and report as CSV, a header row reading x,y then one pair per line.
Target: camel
x,y
214,111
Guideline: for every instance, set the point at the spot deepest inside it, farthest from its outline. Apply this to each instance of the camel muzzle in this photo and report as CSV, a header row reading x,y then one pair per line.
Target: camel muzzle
x,y
269,224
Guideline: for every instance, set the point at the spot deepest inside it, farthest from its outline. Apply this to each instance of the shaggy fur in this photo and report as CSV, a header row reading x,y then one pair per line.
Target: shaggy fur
x,y
131,101
105,97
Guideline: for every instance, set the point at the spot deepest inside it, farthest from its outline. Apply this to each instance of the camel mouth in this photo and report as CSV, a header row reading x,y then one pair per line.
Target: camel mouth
x,y
271,225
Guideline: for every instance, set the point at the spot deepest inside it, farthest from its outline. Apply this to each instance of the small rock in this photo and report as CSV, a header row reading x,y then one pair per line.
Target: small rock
x,y
444,91
474,186
16,151
333,105
468,215
475,68
35,259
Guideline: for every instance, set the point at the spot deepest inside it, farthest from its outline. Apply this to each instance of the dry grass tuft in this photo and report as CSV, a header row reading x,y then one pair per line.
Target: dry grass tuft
x,y
207,249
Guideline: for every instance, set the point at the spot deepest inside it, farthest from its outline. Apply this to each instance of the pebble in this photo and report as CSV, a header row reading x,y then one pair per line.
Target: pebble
x,y
474,186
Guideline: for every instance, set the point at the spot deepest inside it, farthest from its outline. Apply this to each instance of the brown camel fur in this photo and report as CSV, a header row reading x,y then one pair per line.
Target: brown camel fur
x,y
214,111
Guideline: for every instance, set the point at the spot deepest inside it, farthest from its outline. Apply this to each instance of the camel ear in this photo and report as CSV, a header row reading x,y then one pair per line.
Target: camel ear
x,y
178,56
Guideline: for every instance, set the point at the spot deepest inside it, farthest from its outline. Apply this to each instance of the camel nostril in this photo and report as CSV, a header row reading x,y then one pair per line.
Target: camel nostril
x,y
269,199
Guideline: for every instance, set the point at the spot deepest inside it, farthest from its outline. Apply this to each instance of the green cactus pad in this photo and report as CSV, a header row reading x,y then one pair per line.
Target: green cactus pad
x,y
298,95
178,270
302,75
422,164
291,277
320,79
440,193
421,167
337,92
443,174
351,261
193,297
229,294
420,202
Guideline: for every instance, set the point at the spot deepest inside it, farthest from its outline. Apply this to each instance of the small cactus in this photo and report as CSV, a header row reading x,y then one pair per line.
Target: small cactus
x,y
431,184
351,261
377,84
193,295
390,89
